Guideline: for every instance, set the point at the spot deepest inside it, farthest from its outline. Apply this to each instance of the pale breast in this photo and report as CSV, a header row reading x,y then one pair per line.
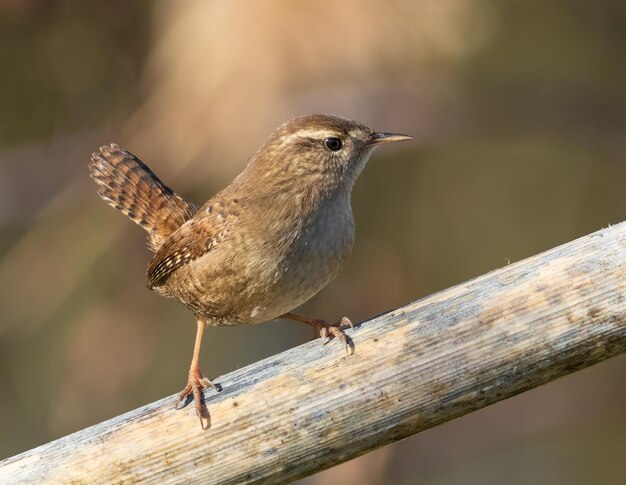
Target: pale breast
x,y
250,280
316,257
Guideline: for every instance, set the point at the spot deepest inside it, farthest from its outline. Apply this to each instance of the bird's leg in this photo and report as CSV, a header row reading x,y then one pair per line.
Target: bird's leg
x,y
325,329
196,380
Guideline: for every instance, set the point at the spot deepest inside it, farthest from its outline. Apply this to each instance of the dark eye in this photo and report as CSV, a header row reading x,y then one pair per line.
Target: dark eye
x,y
333,144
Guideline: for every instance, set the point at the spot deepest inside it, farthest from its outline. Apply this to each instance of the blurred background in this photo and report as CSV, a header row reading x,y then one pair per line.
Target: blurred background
x,y
519,114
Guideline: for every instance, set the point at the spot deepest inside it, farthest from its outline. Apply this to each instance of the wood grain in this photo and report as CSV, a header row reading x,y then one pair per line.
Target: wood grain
x,y
311,407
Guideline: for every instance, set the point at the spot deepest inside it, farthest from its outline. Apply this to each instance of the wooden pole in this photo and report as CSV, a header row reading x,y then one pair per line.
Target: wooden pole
x,y
312,407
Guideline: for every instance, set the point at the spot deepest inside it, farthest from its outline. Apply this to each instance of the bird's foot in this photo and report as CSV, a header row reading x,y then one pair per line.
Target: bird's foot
x,y
327,331
321,328
195,383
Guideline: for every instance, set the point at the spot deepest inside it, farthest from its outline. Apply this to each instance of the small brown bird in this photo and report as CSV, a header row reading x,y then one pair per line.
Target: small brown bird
x,y
265,244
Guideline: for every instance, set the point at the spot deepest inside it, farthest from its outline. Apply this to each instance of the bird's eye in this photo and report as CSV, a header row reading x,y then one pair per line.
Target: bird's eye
x,y
333,144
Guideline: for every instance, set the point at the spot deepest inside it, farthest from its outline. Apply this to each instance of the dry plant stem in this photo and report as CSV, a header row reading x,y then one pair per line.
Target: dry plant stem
x,y
312,407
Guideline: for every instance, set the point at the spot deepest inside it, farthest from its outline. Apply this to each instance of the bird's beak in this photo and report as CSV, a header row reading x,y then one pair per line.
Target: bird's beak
x,y
379,137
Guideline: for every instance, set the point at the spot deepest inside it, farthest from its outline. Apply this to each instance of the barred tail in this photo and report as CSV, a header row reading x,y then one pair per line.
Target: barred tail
x,y
127,184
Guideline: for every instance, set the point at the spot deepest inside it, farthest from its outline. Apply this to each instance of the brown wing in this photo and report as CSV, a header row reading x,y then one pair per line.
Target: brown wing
x,y
191,241
127,184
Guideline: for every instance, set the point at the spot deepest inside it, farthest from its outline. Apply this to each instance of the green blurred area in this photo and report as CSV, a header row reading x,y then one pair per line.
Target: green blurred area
x,y
519,114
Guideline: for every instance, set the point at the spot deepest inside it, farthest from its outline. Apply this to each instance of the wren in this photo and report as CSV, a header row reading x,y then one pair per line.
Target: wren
x,y
265,244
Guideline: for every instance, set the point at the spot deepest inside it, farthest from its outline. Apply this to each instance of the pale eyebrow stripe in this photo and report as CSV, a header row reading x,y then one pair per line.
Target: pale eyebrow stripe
x,y
304,132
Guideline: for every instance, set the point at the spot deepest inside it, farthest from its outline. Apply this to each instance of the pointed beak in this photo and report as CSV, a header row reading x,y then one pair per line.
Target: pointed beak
x,y
378,138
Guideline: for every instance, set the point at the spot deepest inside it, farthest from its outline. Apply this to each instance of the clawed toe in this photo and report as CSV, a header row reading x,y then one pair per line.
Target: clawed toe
x,y
183,394
206,383
195,383
329,330
346,321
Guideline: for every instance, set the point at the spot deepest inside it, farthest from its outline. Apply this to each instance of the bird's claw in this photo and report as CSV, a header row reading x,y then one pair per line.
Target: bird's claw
x,y
195,383
329,330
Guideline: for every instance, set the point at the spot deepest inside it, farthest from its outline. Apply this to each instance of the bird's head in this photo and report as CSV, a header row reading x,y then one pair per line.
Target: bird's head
x,y
319,149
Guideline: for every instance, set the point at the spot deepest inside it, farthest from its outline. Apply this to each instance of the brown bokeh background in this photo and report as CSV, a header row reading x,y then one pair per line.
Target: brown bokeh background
x,y
519,114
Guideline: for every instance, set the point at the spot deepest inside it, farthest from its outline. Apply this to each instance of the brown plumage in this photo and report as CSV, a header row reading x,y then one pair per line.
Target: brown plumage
x,y
262,246
127,184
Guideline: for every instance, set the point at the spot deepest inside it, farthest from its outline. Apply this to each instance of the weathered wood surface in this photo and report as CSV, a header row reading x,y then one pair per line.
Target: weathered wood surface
x,y
312,407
